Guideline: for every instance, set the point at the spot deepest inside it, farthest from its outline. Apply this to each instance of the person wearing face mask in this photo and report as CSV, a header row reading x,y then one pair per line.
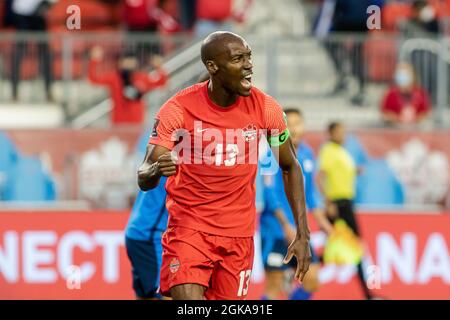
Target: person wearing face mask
x,y
424,20
127,85
424,23
405,102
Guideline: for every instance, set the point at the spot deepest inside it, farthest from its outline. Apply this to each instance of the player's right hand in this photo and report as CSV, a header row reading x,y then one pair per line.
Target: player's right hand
x,y
166,164
301,250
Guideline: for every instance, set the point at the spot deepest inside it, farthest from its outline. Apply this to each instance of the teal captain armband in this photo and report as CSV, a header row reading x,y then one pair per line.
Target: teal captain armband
x,y
276,141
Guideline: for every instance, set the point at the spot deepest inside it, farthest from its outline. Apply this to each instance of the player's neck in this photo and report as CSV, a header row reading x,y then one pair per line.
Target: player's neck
x,y
220,96
335,141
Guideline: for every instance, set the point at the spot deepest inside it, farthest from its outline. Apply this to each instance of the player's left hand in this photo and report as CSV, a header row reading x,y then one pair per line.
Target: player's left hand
x,y
299,248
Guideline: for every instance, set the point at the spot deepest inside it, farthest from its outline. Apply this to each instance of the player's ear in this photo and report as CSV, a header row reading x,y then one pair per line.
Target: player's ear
x,y
212,67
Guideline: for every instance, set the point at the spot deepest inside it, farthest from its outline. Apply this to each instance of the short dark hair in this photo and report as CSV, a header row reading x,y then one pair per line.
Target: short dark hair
x,y
419,4
293,110
215,42
333,125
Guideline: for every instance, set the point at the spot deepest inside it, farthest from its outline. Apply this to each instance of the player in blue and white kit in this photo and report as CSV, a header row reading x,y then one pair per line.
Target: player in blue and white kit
x,y
277,223
147,223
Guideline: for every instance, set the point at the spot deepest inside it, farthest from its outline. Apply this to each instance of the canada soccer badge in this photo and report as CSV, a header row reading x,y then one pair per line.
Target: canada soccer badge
x,y
174,265
249,132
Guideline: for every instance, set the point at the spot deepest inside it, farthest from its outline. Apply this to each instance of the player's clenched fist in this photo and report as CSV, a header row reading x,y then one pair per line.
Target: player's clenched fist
x,y
166,164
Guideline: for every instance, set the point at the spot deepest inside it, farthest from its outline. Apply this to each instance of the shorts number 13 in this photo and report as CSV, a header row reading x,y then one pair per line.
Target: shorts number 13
x,y
244,277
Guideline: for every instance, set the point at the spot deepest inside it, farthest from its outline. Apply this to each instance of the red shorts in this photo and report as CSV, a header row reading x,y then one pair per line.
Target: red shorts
x,y
221,264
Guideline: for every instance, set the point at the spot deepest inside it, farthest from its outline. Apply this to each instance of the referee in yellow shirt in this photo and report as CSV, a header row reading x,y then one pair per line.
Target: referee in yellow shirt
x,y
336,180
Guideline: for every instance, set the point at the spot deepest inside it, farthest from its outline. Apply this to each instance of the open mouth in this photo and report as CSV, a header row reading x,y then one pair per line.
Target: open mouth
x,y
246,82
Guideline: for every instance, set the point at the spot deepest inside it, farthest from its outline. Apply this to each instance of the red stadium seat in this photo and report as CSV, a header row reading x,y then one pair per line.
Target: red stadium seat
x,y
60,33
78,67
29,67
94,14
380,57
442,8
2,13
56,47
393,13
116,14
6,45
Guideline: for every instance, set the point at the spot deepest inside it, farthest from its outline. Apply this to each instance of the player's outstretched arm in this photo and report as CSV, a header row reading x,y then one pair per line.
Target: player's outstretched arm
x,y
158,162
294,188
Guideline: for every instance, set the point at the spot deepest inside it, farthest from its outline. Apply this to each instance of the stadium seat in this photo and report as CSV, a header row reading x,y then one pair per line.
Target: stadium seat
x,y
78,67
56,47
380,57
29,66
94,14
442,8
28,181
378,185
394,12
81,49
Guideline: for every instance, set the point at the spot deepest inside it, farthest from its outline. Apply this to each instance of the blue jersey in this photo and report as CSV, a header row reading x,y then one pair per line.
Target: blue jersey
x,y
305,156
275,197
149,214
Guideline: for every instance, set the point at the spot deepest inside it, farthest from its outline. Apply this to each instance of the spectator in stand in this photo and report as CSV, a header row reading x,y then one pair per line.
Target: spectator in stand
x,y
155,16
187,14
138,17
346,16
405,102
424,20
127,85
8,15
29,15
424,23
217,15
167,14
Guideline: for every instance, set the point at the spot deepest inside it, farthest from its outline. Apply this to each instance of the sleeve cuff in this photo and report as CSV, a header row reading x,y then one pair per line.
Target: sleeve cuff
x,y
166,144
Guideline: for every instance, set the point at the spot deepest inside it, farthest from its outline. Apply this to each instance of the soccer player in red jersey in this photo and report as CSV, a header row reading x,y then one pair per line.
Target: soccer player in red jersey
x,y
205,139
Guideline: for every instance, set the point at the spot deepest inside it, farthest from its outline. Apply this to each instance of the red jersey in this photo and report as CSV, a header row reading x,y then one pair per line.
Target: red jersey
x,y
213,190
408,106
214,10
137,13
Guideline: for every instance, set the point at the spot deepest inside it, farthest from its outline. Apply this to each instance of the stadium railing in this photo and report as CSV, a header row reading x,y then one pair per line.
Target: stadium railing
x,y
294,69
69,55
